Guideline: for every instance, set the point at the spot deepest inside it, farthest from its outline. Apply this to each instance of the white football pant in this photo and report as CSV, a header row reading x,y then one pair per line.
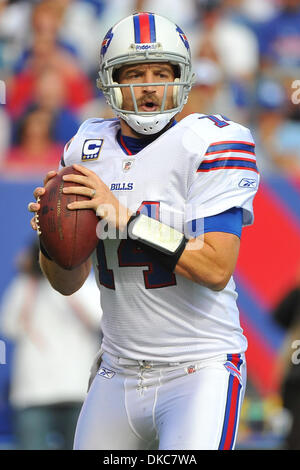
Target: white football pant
x,y
141,405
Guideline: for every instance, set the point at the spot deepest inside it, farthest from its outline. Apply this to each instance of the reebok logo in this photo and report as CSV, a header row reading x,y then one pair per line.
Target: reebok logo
x,y
107,373
248,183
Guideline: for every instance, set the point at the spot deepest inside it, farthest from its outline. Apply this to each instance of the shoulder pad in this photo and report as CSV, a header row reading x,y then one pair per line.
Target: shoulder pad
x,y
216,128
93,124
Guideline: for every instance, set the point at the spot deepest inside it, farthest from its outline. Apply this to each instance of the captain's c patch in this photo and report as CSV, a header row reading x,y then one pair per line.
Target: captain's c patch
x,y
91,149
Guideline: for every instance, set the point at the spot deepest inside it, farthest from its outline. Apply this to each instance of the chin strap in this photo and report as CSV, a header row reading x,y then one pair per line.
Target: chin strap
x,y
147,125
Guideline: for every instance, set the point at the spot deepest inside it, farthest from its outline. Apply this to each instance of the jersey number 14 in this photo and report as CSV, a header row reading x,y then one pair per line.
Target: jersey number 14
x,y
130,255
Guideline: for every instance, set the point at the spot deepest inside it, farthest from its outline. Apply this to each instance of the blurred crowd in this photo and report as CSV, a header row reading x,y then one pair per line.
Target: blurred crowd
x,y
55,340
246,57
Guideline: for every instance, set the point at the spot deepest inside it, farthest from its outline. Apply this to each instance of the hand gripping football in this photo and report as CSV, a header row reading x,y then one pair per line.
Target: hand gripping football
x,y
68,236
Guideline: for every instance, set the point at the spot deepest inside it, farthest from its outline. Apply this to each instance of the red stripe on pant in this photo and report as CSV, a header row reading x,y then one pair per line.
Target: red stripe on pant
x,y
236,360
233,414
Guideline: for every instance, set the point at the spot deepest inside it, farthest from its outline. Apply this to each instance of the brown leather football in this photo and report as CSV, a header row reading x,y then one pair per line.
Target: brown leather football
x,y
68,236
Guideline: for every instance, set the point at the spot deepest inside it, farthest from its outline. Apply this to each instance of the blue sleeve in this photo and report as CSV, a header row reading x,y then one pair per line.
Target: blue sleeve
x,y
230,221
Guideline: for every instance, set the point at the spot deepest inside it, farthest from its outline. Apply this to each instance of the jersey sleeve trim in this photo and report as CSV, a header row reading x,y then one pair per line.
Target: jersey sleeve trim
x,y
230,221
231,146
228,163
229,155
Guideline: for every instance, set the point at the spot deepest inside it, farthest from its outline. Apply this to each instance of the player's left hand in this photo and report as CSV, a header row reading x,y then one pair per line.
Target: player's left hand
x,y
102,200
34,207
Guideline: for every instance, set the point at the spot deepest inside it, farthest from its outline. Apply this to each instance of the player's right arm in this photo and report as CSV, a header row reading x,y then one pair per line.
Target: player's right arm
x,y
64,281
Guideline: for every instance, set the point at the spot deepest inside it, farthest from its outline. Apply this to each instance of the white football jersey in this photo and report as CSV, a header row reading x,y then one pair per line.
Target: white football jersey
x,y
202,166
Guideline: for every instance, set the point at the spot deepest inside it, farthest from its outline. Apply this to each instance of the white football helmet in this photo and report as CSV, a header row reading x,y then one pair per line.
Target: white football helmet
x,y
145,37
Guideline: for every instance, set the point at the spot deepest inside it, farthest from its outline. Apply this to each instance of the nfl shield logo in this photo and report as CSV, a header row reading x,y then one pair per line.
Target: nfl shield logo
x,y
127,164
191,369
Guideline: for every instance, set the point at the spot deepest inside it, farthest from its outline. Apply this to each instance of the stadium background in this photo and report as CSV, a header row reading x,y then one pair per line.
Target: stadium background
x,y
269,260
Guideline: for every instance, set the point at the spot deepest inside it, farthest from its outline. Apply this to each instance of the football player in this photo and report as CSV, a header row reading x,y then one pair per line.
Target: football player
x,y
172,199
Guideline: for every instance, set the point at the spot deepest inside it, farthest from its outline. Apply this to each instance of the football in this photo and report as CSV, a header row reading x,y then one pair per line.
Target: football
x,y
68,236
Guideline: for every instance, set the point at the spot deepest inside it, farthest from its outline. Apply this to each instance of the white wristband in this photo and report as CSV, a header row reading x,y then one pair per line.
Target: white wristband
x,y
154,233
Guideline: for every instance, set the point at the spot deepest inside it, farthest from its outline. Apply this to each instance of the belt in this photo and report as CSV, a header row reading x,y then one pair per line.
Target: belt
x,y
143,363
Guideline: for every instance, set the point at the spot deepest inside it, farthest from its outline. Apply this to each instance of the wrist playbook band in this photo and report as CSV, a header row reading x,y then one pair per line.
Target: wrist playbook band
x,y
163,241
43,251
